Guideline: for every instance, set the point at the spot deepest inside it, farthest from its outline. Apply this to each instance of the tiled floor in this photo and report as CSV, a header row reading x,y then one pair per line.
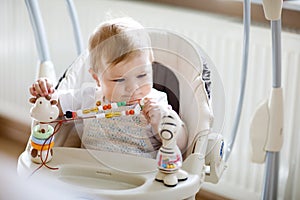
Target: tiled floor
x,y
11,149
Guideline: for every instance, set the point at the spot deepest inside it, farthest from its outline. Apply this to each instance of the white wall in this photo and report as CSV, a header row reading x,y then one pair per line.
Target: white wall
x,y
220,37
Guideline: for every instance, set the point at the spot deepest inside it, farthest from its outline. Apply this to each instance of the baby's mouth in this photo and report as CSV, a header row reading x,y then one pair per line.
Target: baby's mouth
x,y
133,99
131,96
127,98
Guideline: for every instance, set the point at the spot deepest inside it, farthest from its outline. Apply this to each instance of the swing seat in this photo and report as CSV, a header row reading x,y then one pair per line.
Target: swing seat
x,y
180,70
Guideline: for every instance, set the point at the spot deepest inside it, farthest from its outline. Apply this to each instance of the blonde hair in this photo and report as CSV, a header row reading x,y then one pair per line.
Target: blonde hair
x,y
116,40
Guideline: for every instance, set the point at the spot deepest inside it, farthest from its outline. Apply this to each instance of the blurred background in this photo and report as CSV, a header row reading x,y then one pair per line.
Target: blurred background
x,y
214,25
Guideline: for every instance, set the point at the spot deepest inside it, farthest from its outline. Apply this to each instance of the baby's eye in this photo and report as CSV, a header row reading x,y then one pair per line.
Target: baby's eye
x,y
141,75
118,80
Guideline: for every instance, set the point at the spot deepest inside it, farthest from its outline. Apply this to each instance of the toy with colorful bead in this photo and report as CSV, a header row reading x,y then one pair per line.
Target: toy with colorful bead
x,y
42,140
98,112
169,159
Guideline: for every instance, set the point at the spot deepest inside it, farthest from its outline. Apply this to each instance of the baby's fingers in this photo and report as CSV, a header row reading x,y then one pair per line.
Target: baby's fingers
x,y
32,90
40,87
49,86
44,87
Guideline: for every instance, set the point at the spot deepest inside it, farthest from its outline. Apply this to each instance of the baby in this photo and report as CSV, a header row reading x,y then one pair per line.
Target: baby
x,y
121,64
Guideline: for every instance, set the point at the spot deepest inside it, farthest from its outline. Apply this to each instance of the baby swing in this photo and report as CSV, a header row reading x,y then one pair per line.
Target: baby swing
x,y
104,174
178,70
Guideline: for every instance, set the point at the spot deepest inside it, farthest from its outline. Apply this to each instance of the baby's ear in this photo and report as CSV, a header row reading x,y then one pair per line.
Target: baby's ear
x,y
53,102
48,97
32,100
95,76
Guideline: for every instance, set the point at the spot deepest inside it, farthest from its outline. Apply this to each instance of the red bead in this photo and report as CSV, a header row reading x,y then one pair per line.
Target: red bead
x,y
74,115
131,112
105,107
109,106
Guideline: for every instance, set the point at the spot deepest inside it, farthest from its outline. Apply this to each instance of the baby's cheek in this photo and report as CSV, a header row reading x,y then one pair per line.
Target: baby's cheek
x,y
117,93
146,89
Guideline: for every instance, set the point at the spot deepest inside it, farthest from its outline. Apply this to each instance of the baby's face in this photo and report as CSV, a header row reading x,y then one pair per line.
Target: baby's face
x,y
128,80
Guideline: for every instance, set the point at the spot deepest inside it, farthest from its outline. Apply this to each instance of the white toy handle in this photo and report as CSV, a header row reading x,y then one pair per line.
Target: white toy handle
x,y
46,69
214,161
275,138
272,9
266,127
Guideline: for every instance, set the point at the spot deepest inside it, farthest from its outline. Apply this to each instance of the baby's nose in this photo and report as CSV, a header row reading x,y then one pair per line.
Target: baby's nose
x,y
131,86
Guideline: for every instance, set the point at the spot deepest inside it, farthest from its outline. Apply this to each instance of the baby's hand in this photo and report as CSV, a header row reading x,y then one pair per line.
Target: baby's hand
x,y
42,87
153,112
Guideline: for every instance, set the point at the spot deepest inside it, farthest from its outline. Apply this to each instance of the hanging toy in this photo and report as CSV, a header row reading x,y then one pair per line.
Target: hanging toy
x,y
43,111
106,110
169,157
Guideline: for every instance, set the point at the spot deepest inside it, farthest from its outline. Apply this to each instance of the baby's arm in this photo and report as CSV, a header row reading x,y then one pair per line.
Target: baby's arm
x,y
182,137
153,111
43,87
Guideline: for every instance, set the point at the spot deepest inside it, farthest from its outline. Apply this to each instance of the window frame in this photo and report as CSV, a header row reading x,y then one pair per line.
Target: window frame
x,y
290,11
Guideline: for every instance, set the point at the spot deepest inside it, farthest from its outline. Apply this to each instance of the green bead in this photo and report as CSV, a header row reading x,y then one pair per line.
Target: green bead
x,y
39,135
121,103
